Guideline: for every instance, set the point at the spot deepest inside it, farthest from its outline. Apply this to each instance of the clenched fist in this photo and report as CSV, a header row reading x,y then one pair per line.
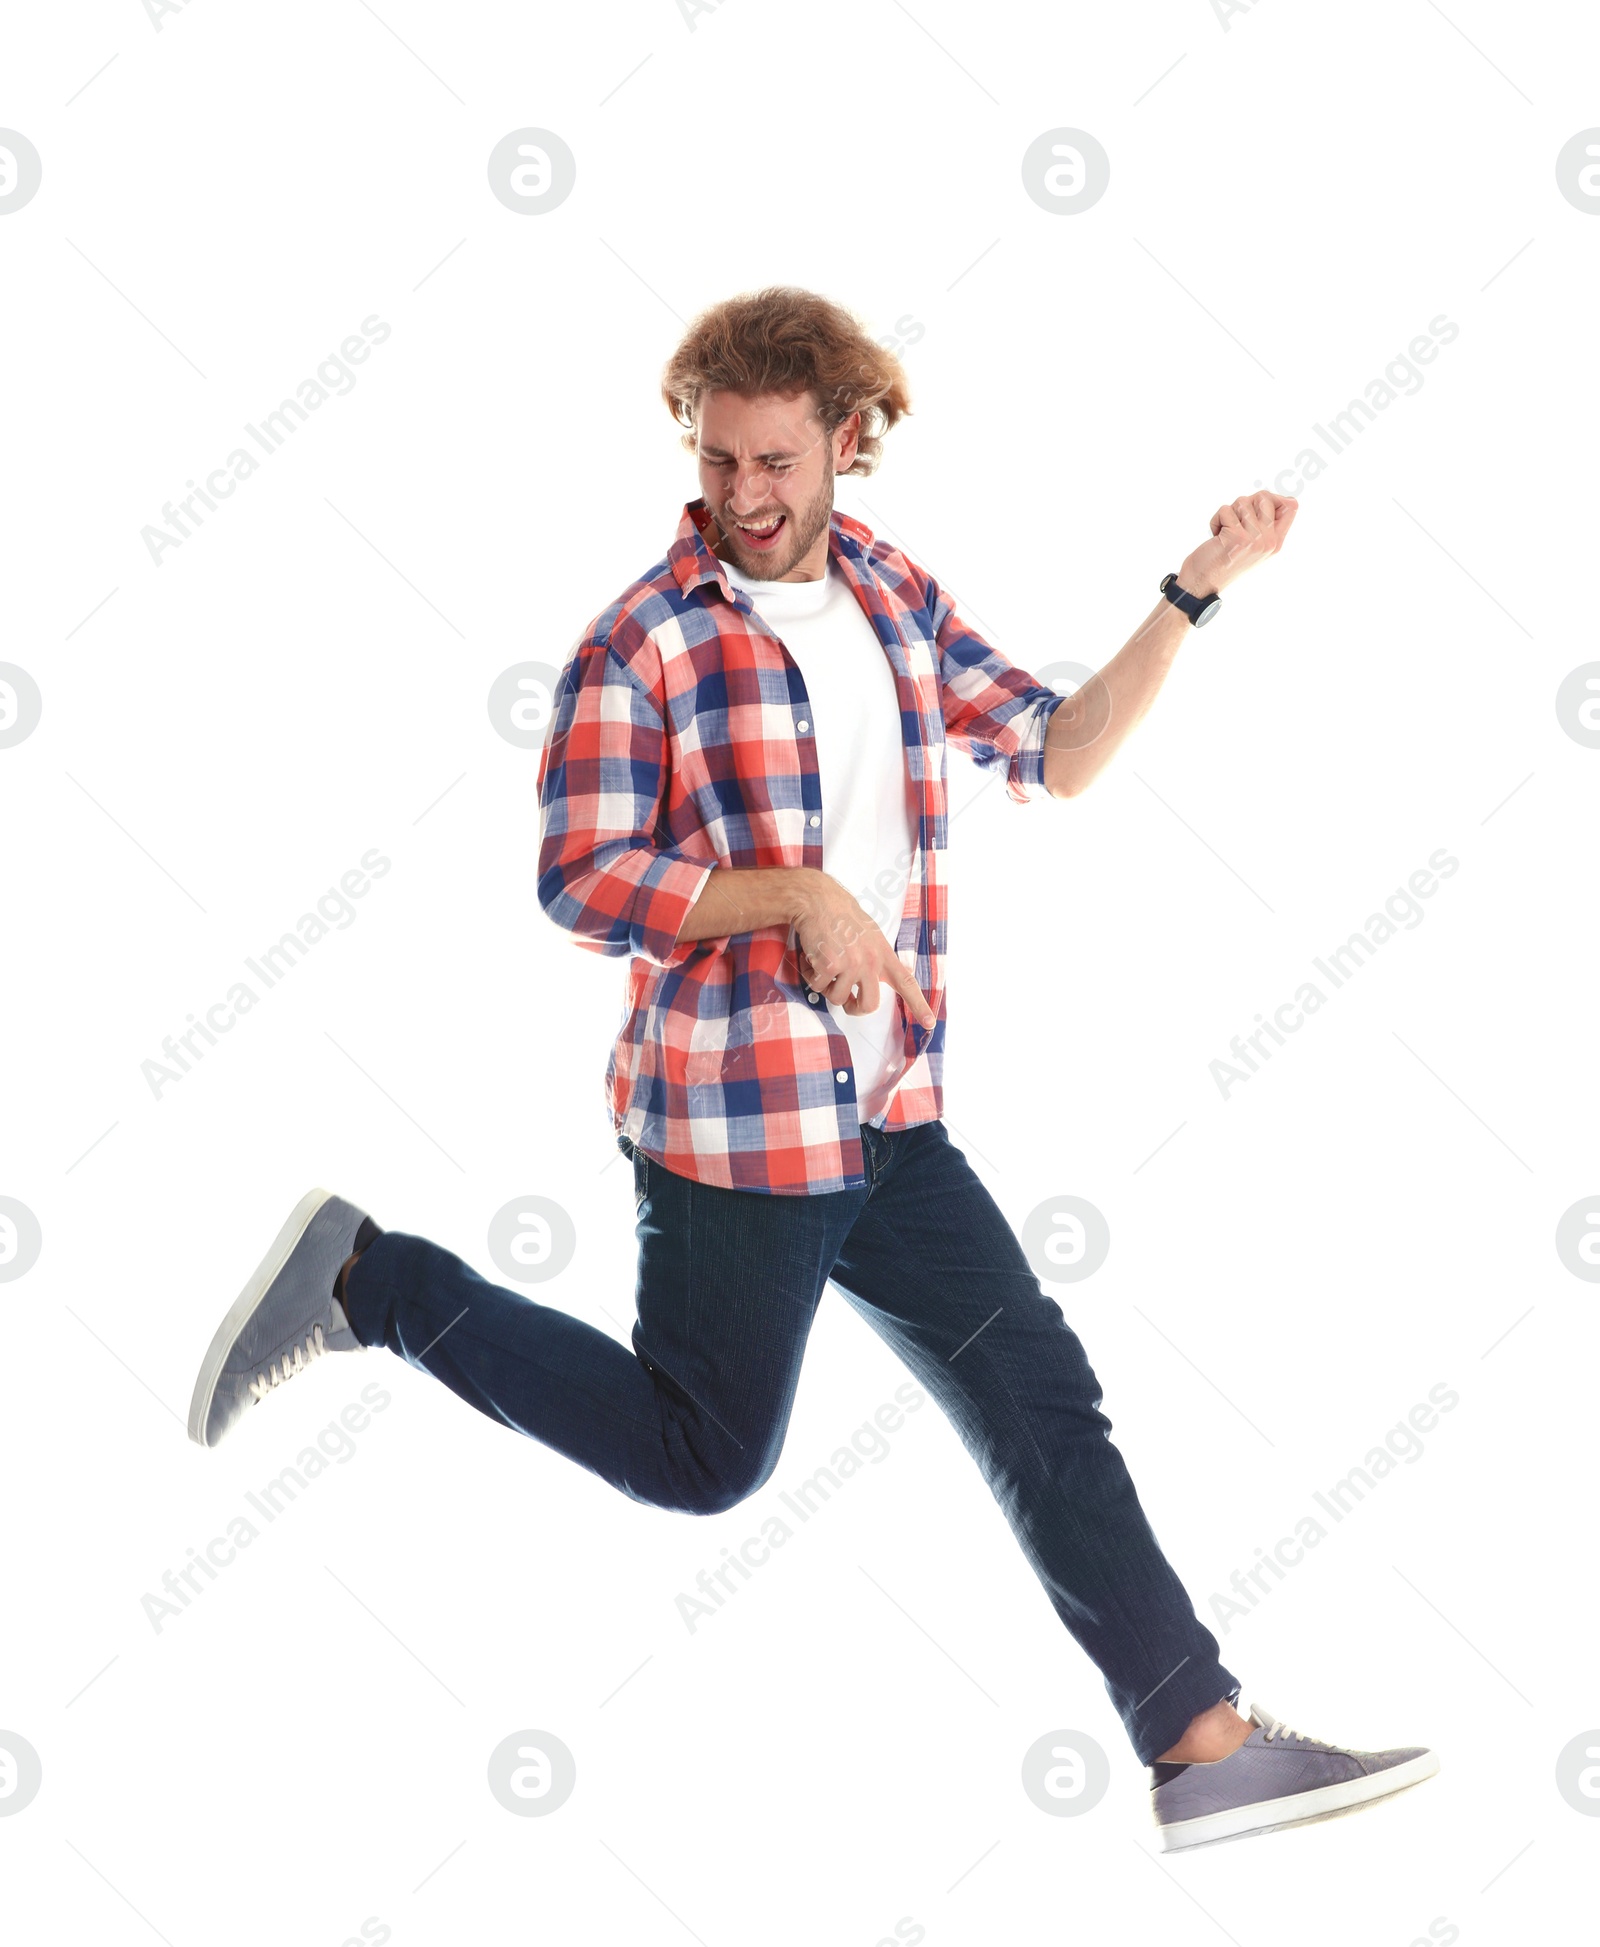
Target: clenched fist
x,y
1255,526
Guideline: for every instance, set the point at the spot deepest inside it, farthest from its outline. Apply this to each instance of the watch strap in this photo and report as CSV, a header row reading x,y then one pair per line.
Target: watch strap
x,y
1198,608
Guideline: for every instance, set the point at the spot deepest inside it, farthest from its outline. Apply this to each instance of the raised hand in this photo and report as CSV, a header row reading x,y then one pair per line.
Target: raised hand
x,y
1247,531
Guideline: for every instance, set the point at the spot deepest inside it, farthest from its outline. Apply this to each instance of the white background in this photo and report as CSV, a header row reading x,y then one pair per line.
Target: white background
x,y
1294,196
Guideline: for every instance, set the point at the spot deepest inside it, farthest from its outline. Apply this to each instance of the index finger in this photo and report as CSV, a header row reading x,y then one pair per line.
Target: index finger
x,y
898,973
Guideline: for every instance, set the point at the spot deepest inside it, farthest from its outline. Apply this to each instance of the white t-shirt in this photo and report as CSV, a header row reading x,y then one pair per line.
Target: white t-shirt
x,y
869,817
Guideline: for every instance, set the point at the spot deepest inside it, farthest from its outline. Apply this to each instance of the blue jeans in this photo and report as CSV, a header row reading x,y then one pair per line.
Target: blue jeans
x,y
694,1416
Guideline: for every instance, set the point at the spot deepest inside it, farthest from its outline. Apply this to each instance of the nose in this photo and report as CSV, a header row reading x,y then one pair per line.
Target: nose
x,y
752,488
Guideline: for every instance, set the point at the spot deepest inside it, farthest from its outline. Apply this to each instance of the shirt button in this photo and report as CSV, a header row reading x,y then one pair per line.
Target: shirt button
x,y
802,725
841,1074
813,998
816,818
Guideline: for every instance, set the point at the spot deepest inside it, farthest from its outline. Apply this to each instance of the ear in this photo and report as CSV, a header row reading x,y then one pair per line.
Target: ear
x,y
846,443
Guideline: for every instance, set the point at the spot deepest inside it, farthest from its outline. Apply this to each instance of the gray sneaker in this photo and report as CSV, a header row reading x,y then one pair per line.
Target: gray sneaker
x,y
285,1317
1276,1777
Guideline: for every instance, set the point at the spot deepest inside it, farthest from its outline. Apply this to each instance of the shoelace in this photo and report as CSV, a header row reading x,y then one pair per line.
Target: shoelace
x,y
289,1365
1276,1728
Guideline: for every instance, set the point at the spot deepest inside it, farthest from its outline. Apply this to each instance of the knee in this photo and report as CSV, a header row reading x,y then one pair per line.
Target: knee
x,y
717,1489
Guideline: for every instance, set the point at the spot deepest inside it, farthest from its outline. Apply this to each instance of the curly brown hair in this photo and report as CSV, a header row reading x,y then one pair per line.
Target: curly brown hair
x,y
789,341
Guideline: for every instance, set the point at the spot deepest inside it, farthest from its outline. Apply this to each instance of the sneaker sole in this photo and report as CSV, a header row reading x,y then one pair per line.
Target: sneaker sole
x,y
256,1288
1273,1814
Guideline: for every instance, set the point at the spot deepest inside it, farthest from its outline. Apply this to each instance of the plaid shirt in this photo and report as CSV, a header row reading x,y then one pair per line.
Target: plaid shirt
x,y
681,741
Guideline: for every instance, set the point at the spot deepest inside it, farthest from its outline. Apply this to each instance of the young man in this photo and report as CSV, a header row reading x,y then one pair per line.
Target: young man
x,y
750,730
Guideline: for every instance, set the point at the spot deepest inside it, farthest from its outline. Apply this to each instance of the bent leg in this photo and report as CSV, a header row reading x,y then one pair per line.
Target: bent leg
x,y
935,1269
693,1417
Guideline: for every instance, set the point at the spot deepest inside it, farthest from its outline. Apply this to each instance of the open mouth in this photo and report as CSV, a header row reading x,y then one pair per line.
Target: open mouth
x,y
760,537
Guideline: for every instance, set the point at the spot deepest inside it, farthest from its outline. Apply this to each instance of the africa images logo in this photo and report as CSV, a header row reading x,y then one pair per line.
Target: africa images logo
x,y
1401,911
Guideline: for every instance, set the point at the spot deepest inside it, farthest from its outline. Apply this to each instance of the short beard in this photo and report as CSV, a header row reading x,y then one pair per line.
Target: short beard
x,y
804,527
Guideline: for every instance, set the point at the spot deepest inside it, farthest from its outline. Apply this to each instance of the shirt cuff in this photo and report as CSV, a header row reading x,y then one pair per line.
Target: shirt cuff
x,y
667,889
1025,773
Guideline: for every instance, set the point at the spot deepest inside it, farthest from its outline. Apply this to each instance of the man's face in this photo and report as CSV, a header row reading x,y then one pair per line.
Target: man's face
x,y
766,471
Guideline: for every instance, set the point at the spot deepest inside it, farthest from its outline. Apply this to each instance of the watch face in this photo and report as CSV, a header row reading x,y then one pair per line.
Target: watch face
x,y
1207,612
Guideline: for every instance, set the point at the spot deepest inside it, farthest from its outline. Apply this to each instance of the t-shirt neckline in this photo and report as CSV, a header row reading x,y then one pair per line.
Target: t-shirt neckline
x,y
793,597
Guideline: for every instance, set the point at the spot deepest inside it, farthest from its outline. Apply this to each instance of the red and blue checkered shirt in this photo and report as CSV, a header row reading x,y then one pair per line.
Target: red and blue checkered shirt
x,y
680,742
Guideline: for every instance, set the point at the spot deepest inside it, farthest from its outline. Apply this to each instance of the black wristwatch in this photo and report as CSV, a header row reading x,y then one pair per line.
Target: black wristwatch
x,y
1198,608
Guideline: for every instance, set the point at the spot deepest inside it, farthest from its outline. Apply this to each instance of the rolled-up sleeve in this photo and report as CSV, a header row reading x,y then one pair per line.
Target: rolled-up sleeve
x,y
998,714
604,874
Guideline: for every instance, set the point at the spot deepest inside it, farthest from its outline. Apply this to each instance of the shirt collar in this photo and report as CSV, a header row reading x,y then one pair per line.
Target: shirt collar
x,y
692,562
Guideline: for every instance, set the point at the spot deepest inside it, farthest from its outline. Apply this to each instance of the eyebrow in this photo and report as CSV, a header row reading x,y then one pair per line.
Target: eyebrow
x,y
722,453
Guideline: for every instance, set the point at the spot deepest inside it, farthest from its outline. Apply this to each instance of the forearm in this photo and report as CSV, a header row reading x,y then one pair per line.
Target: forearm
x,y
1089,728
843,954
738,899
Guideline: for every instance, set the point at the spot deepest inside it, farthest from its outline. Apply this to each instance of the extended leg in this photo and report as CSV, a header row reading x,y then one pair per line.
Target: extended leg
x,y
933,1266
